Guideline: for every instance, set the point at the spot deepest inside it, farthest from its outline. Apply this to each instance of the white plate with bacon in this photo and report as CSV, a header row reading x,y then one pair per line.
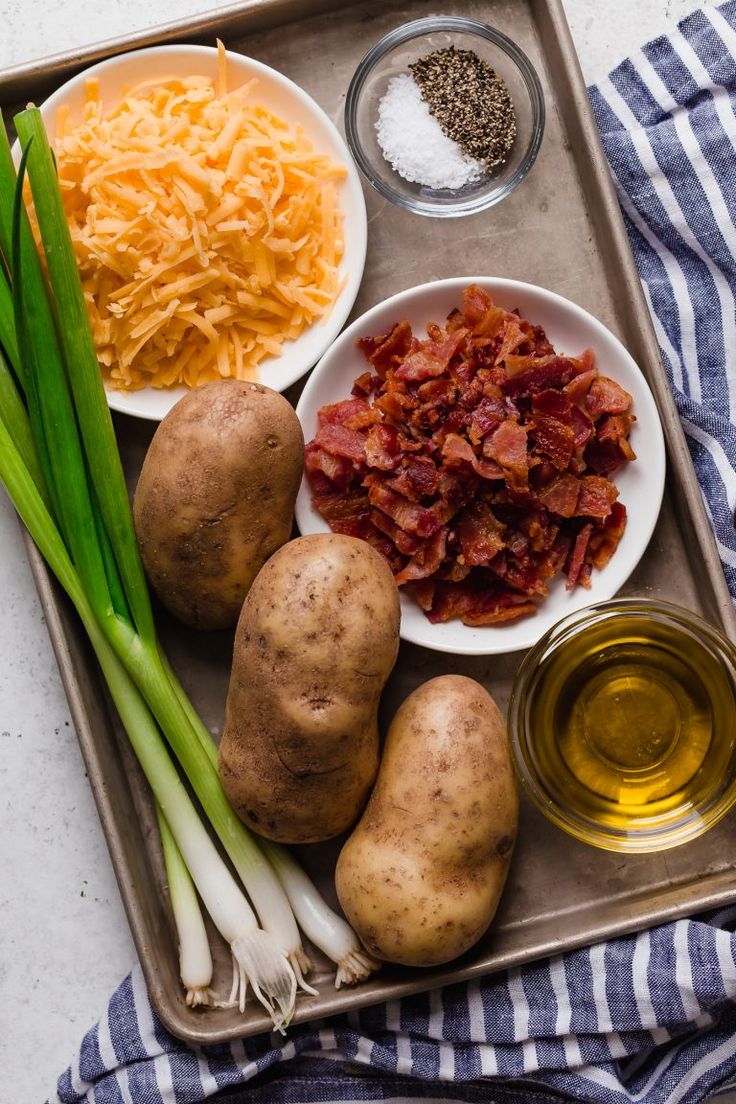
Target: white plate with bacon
x,y
508,460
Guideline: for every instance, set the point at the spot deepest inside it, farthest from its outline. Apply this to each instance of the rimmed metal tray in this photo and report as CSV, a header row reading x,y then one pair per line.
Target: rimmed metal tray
x,y
562,229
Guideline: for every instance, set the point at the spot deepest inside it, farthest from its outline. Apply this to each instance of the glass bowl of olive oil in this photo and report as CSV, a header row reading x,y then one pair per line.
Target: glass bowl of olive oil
x,y
623,725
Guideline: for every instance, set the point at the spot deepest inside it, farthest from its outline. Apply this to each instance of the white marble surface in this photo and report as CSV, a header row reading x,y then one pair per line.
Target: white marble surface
x,y
65,942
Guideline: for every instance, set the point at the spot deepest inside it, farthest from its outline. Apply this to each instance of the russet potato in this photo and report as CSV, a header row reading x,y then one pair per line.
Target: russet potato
x,y
216,497
421,875
316,640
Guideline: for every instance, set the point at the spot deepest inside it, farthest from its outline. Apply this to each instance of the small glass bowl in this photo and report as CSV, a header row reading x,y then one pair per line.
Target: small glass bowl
x,y
637,754
392,55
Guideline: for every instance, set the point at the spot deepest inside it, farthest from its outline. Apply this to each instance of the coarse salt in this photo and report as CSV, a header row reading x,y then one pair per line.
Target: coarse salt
x,y
414,143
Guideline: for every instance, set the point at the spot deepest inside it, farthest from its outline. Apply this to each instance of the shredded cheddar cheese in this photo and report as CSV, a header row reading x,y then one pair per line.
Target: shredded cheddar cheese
x,y
207,230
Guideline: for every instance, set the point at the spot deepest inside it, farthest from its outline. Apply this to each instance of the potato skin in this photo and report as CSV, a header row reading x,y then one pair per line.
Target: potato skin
x,y
216,497
316,641
421,876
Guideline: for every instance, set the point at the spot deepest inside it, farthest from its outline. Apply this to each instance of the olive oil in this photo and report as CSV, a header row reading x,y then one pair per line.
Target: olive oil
x,y
630,724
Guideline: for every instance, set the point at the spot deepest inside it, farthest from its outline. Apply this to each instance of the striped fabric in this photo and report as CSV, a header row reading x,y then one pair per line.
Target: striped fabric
x,y
650,1018
667,121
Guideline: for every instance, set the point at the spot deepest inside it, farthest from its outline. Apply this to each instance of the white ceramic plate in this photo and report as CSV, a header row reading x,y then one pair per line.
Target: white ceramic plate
x,y
571,330
293,104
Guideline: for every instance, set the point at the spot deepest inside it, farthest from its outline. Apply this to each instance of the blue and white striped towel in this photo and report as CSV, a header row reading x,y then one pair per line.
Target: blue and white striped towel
x,y
650,1018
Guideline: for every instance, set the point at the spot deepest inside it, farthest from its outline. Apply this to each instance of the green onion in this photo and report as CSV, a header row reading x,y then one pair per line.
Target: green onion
x,y
77,349
141,654
195,957
259,960
15,417
98,563
50,407
7,324
7,199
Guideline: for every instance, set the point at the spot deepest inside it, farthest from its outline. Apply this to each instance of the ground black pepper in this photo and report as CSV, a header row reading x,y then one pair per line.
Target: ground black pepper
x,y
470,102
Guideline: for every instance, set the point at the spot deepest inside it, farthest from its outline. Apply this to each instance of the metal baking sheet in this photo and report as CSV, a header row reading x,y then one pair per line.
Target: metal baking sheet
x,y
562,229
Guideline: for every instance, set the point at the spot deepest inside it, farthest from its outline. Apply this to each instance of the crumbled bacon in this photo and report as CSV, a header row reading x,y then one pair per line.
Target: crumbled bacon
x,y
382,447
337,507
582,426
456,451
508,447
604,542
596,497
387,349
486,416
554,372
553,439
577,558
577,389
353,413
407,515
427,560
416,479
430,359
481,534
477,461
561,495
406,543
365,384
607,397
340,441
336,470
